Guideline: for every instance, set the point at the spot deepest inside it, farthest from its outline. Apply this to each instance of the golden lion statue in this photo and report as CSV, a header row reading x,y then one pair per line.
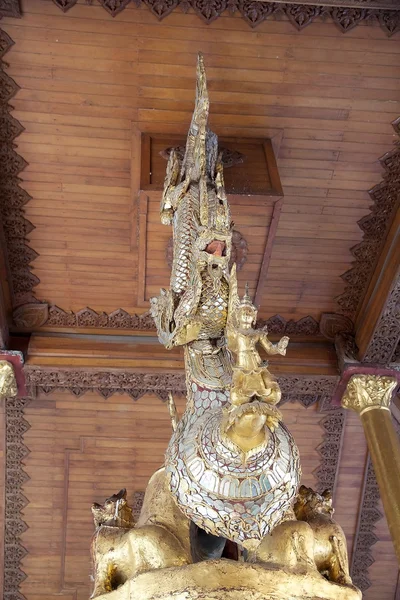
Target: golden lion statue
x,y
330,550
122,549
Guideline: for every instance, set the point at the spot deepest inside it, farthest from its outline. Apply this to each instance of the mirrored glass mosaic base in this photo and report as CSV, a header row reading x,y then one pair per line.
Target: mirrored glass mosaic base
x,y
221,493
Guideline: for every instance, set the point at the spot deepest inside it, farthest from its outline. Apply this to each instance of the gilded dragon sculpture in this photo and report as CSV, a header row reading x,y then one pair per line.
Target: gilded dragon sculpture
x,y
232,469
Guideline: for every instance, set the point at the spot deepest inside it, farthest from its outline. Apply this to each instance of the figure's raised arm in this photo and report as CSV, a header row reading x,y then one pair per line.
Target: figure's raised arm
x,y
270,348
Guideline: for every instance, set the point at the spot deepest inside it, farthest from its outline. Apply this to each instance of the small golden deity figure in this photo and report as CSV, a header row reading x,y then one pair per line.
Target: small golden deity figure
x,y
251,378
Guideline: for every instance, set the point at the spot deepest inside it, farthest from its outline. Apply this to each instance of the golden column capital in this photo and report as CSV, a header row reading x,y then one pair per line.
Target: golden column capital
x,y
367,392
8,383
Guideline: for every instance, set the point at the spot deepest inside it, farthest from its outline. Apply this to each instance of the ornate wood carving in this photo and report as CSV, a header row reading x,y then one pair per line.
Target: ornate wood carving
x,y
307,389
65,4
114,6
386,198
16,451
383,346
105,382
278,325
34,315
345,14
31,316
12,196
333,424
365,537
332,324
10,8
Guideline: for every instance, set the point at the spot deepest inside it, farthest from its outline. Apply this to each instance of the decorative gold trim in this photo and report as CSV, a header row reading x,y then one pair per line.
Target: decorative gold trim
x,y
373,408
368,391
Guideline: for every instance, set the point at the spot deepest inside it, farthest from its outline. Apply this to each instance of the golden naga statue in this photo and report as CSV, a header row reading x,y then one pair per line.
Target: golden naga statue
x,y
224,518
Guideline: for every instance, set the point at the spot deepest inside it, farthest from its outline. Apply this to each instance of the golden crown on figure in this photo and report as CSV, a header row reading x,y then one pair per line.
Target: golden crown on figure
x,y
232,470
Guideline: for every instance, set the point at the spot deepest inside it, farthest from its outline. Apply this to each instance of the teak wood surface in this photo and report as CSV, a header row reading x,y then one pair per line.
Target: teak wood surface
x,y
90,87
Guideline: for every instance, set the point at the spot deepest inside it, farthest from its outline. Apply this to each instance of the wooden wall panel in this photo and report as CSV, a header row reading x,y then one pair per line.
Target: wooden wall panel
x,y
84,449
2,486
87,79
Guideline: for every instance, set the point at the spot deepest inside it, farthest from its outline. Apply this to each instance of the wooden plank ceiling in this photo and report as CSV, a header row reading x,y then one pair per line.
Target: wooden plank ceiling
x,y
89,84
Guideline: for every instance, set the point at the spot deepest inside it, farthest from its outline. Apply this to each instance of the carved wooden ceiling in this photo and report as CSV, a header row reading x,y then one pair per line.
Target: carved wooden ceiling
x,y
89,102
90,86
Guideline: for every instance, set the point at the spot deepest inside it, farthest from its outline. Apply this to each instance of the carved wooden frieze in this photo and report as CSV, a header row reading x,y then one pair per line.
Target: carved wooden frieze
x,y
12,197
10,8
386,198
32,316
345,14
331,325
15,501
383,346
365,536
39,314
113,381
277,325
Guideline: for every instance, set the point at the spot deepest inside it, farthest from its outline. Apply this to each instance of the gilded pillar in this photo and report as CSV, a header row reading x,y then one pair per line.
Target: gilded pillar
x,y
370,397
8,384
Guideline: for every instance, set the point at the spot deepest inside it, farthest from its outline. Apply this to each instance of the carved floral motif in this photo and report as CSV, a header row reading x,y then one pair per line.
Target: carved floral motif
x,y
382,347
332,325
34,315
12,197
385,196
368,391
16,452
333,424
106,383
114,6
302,15
9,8
307,389
278,325
65,4
255,12
365,536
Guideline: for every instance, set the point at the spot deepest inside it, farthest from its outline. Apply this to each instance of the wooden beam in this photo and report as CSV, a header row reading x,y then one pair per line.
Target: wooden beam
x,y
146,354
276,213
387,272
